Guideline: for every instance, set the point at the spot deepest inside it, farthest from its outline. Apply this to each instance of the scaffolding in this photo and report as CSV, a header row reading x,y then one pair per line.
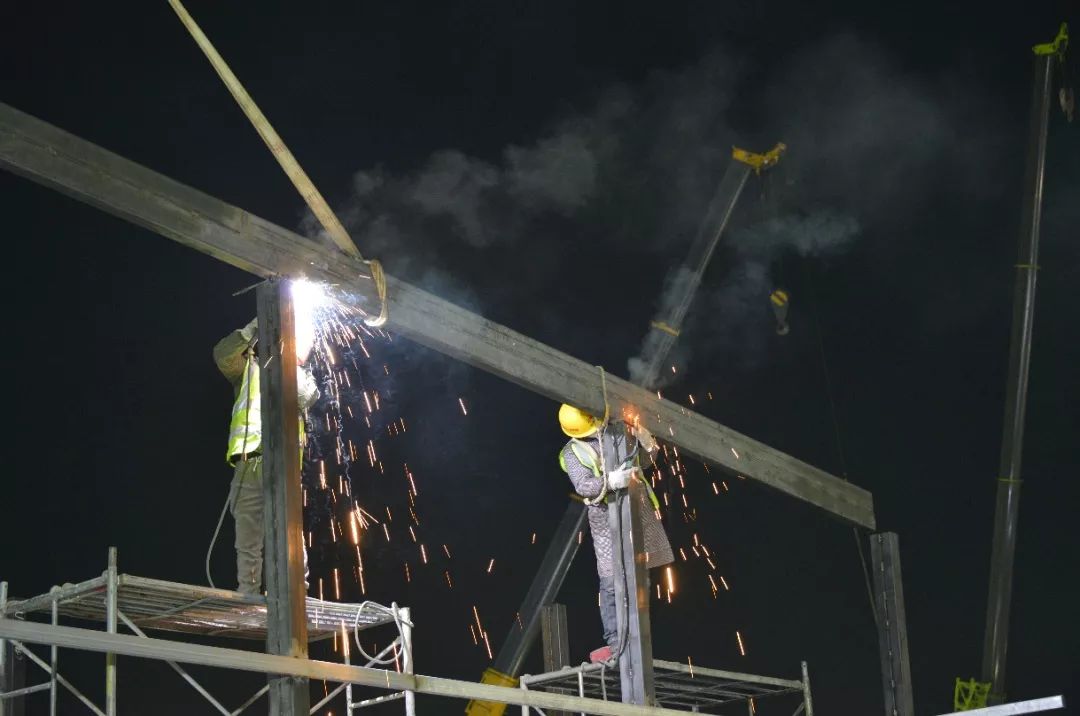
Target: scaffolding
x,y
678,686
142,603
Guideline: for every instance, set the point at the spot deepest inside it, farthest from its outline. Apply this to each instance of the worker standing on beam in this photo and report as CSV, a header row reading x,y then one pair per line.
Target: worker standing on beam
x,y
236,358
599,459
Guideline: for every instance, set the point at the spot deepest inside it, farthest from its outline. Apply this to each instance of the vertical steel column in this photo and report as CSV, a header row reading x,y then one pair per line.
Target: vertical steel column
x,y
112,584
554,637
807,700
891,624
554,641
545,586
632,596
54,657
1007,510
12,675
407,665
286,633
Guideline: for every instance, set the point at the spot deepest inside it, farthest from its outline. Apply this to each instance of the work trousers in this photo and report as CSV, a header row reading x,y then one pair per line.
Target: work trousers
x,y
246,505
608,611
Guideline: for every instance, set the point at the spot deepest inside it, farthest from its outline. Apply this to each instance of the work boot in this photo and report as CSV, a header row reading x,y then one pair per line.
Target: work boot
x,y
602,654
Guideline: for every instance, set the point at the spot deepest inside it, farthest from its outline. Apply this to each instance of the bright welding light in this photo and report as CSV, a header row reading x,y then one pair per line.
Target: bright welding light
x,y
310,304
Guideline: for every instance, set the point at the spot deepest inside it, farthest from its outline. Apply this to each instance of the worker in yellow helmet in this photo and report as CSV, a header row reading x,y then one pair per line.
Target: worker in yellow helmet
x,y
599,460
235,355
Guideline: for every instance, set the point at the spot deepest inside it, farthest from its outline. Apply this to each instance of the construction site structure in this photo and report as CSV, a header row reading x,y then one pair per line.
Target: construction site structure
x,y
288,620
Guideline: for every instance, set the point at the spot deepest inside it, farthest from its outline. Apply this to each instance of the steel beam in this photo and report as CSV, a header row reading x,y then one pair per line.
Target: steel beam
x,y
186,653
1048,703
545,586
1007,508
286,618
891,624
49,156
632,596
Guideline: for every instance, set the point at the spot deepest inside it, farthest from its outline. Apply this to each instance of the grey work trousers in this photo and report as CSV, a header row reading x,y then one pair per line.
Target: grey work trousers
x,y
246,505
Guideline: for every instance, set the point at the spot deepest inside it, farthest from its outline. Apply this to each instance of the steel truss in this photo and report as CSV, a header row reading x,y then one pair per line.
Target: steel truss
x,y
676,686
141,603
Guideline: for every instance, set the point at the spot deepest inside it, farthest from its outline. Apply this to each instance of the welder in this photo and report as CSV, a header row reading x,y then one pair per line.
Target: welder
x,y
235,355
601,459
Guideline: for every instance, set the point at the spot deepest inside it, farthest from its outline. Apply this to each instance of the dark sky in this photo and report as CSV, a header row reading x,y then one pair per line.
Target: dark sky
x,y
545,164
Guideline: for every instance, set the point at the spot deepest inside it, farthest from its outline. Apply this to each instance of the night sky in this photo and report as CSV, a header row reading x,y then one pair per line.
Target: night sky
x,y
545,165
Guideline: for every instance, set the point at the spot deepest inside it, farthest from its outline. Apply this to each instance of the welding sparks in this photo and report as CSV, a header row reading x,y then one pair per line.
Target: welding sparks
x,y
462,404
670,574
742,648
491,565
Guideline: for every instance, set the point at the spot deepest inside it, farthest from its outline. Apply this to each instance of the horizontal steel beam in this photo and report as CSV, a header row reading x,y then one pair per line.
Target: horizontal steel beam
x,y
184,653
1017,707
54,158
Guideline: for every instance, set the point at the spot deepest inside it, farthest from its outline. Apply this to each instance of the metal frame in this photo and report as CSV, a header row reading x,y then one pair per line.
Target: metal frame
x,y
185,653
57,159
141,603
677,685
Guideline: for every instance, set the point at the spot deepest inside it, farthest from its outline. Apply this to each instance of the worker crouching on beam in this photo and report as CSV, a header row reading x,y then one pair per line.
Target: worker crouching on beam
x,y
236,358
597,473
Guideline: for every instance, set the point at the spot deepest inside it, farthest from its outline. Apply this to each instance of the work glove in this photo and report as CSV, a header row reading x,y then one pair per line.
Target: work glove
x,y
619,479
645,438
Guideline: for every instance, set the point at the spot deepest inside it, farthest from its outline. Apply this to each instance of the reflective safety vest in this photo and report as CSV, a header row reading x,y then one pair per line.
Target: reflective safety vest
x,y
245,428
588,456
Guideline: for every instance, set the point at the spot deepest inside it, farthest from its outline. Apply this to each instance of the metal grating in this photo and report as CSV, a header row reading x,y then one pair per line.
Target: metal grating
x,y
677,685
169,606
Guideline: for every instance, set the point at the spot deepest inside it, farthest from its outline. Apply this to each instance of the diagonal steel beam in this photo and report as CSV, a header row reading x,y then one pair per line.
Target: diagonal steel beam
x,y
50,156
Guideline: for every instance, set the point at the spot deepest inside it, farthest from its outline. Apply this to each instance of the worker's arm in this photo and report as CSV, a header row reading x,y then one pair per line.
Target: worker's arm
x,y
585,483
229,351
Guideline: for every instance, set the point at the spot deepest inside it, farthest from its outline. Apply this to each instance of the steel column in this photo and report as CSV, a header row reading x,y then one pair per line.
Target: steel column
x,y
554,640
808,702
891,624
12,670
283,511
543,590
54,656
1007,510
632,596
407,665
112,585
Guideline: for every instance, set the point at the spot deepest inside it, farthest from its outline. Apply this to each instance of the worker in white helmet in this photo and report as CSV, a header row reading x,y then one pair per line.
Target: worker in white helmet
x,y
596,473
235,356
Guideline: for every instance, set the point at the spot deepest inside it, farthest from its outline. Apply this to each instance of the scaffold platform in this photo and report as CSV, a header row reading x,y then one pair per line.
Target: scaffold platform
x,y
169,606
678,686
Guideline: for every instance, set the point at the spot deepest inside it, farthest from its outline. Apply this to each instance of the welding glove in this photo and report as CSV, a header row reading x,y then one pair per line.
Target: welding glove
x,y
645,438
619,479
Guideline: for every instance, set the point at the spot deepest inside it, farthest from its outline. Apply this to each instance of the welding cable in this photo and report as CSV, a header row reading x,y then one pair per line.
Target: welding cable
x,y
393,612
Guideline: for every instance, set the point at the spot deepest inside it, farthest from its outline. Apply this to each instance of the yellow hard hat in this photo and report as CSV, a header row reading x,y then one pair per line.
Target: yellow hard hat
x,y
576,423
